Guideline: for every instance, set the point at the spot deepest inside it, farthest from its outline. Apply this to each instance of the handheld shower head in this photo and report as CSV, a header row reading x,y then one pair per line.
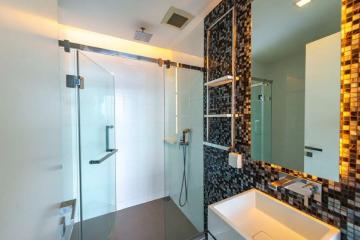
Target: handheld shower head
x,y
185,136
184,143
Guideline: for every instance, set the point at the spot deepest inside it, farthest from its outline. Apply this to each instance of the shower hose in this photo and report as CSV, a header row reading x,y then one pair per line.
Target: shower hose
x,y
184,186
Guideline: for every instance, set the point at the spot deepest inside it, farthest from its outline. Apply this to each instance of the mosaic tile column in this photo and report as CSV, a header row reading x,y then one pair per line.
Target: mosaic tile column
x,y
350,121
340,205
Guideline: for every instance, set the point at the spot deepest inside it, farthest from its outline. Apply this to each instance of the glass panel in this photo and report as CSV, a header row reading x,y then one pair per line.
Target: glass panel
x,y
70,143
96,105
267,133
139,118
183,152
256,119
261,120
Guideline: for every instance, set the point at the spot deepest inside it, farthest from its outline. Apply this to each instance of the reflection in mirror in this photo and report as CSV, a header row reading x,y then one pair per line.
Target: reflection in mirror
x,y
295,91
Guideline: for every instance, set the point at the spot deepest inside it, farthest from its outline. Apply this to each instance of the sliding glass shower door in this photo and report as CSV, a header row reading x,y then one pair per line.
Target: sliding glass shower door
x,y
184,153
96,132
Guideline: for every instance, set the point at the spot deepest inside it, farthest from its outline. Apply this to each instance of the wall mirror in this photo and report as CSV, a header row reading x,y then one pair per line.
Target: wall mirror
x,y
295,91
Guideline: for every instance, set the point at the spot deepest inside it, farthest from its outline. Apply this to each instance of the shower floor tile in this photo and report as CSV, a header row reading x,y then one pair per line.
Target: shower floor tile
x,y
156,220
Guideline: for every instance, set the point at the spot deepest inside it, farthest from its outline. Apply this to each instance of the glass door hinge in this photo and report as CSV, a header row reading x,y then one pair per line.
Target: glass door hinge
x,y
73,81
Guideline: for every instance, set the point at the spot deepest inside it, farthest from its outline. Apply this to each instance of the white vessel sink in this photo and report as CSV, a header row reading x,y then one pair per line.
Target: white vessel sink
x,y
255,215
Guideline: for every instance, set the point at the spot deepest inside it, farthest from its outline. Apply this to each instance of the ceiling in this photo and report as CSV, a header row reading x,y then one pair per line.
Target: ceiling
x,y
280,28
121,18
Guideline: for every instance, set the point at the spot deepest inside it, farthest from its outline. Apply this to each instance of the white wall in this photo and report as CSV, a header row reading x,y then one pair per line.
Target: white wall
x,y
193,43
140,132
139,89
322,105
30,173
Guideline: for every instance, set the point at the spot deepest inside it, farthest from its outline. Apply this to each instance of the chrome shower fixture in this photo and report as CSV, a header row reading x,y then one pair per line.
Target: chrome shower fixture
x,y
143,36
185,136
184,143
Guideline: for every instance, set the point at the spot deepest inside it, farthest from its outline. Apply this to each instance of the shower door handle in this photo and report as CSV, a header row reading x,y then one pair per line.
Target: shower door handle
x,y
107,133
112,152
108,149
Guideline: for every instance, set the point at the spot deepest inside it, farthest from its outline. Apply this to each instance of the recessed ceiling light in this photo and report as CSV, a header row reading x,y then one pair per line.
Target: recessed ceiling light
x,y
302,3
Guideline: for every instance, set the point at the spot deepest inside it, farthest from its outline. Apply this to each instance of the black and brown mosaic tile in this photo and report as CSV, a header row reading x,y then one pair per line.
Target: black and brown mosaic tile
x,y
340,205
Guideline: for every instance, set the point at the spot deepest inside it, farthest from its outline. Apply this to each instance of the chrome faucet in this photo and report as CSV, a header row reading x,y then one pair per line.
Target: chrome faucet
x,y
314,192
284,180
304,187
313,187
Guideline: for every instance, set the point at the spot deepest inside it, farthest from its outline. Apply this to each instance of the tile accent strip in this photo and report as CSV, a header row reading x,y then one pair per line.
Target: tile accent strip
x,y
341,200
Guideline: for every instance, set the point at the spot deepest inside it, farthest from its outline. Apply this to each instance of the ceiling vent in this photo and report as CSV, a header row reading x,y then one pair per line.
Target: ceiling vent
x,y
177,18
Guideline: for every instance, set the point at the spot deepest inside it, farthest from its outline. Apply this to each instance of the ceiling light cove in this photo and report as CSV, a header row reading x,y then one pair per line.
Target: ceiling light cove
x,y
301,3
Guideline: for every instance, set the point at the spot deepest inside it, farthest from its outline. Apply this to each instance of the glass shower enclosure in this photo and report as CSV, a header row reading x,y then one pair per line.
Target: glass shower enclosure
x,y
184,161
154,158
96,147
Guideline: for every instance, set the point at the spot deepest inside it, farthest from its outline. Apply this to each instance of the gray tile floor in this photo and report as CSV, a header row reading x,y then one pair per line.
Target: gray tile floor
x,y
156,220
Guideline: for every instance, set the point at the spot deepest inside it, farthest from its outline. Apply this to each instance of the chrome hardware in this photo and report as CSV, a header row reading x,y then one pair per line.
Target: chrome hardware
x,y
313,187
185,139
107,135
309,151
313,148
73,81
224,148
315,191
284,180
67,218
308,154
308,189
103,158
108,149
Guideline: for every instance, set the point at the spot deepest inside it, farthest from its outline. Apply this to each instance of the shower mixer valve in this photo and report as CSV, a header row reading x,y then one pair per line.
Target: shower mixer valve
x,y
185,136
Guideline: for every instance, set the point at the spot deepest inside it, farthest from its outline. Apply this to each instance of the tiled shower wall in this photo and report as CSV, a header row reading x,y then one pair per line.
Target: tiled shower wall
x,y
341,200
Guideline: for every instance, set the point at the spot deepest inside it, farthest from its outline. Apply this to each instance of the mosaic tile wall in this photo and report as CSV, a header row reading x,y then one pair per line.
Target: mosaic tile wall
x,y
219,131
220,99
341,200
220,65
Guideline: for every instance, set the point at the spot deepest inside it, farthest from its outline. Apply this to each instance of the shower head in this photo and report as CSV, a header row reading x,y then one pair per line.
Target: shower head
x,y
143,36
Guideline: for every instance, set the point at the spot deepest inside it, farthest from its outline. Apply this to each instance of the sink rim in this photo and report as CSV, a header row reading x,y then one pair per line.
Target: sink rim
x,y
331,233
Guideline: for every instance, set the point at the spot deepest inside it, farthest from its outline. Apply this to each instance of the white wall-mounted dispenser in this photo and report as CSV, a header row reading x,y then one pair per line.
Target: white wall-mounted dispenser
x,y
235,160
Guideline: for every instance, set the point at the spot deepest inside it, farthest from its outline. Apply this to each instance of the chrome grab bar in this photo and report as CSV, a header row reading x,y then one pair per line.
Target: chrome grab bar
x,y
216,146
111,152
